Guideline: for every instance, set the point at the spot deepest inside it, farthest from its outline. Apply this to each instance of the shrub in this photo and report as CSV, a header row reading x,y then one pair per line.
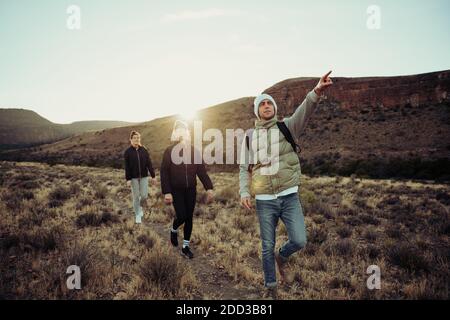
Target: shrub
x,y
23,181
443,197
55,203
227,194
407,257
162,270
95,219
101,192
60,193
370,235
74,189
84,201
318,219
389,201
353,221
393,231
369,219
321,208
13,199
244,223
35,215
338,282
148,241
88,258
343,247
44,239
317,236
310,249
8,241
373,251
344,231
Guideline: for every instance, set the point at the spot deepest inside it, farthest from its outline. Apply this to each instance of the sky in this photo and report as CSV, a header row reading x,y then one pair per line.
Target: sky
x,y
137,60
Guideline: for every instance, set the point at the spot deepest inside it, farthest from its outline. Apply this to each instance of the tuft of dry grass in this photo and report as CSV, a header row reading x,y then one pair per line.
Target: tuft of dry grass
x,y
94,219
166,272
407,257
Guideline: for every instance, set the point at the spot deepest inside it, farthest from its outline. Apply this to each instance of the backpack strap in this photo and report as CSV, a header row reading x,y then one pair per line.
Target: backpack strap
x,y
247,142
287,134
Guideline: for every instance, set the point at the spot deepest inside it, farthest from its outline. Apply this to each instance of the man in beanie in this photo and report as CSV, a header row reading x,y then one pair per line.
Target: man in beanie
x,y
276,193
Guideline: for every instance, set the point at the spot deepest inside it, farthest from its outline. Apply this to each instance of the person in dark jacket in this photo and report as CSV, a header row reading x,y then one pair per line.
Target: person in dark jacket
x,y
178,183
138,165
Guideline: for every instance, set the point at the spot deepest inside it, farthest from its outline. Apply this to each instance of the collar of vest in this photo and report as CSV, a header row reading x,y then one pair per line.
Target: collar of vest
x,y
259,124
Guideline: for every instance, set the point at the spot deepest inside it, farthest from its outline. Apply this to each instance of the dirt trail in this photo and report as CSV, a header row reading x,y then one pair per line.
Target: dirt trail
x,y
214,283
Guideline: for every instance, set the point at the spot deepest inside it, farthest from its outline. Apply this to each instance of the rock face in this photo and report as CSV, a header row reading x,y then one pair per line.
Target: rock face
x,y
382,92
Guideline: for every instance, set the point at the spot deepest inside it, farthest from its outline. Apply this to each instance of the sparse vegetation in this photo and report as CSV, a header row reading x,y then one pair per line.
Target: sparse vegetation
x,y
165,272
344,231
402,226
407,257
94,219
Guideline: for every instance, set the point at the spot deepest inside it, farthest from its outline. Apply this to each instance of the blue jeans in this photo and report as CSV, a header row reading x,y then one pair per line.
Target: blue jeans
x,y
289,210
139,190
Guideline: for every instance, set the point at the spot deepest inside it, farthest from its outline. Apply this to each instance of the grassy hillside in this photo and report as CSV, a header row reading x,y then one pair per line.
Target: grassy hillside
x,y
105,147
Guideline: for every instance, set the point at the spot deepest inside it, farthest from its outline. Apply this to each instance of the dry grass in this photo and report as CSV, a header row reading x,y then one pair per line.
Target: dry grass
x,y
62,215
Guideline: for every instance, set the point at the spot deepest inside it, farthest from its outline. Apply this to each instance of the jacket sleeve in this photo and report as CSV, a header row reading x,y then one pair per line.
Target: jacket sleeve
x,y
150,165
165,172
203,175
244,175
297,122
126,156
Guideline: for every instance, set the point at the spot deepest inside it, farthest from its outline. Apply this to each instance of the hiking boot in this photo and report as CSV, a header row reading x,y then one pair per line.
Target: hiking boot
x,y
280,263
286,276
187,253
174,238
270,293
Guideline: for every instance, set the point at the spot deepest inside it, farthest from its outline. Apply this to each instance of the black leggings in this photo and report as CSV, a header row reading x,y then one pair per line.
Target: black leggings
x,y
184,204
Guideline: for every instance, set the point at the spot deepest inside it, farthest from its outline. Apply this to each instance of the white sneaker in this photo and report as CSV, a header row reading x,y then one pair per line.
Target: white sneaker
x,y
139,219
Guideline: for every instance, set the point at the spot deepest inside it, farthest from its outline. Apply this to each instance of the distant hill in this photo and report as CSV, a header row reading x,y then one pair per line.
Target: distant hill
x,y
376,127
105,147
22,128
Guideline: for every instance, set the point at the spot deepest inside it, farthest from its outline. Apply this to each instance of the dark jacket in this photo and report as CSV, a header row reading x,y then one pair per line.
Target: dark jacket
x,y
183,175
137,163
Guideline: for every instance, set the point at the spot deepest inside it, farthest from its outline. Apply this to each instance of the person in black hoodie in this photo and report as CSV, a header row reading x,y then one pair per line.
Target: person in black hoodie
x,y
179,174
137,167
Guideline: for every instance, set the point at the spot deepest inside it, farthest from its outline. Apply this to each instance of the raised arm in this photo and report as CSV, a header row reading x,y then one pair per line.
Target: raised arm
x,y
297,122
